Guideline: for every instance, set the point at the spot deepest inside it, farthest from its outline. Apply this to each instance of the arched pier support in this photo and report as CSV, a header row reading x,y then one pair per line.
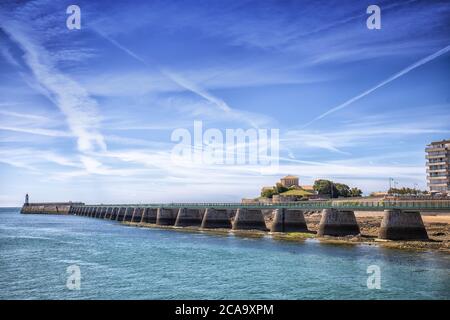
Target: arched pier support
x,y
188,218
127,214
285,220
249,219
402,225
216,218
338,223
149,215
166,217
114,213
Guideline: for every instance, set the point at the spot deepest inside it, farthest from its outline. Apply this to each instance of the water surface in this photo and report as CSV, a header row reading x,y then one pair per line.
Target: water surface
x,y
121,262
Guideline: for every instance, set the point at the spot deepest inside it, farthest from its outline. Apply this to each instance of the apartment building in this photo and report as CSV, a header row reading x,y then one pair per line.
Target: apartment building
x,y
438,166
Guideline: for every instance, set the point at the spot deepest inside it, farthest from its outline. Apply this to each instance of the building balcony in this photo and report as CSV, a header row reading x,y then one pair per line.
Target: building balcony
x,y
434,149
436,157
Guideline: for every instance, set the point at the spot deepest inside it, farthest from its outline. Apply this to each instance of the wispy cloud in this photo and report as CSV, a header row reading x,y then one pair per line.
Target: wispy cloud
x,y
23,115
381,84
182,82
38,131
72,100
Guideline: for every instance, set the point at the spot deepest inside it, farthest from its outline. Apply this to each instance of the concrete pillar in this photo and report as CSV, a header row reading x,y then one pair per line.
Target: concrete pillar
x,y
109,213
188,218
285,220
127,214
249,219
98,212
104,211
337,223
114,213
137,215
121,213
402,225
166,217
149,215
216,218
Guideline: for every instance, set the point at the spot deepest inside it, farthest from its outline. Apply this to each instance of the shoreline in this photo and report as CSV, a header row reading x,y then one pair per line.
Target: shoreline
x,y
367,222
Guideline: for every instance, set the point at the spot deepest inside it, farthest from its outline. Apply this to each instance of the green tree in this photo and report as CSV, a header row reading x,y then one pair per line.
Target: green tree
x,y
268,193
343,189
326,188
355,192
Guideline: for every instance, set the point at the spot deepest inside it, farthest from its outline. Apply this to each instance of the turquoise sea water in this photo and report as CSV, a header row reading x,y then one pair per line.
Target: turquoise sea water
x,y
120,262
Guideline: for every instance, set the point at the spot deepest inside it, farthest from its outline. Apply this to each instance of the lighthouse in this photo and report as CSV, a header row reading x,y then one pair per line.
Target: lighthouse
x,y
26,199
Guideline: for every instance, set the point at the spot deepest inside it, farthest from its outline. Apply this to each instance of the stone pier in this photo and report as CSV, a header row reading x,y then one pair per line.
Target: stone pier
x,y
249,219
402,225
166,217
216,218
337,223
149,215
188,218
285,220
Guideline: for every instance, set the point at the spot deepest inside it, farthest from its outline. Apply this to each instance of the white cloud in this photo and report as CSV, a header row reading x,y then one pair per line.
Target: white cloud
x,y
72,99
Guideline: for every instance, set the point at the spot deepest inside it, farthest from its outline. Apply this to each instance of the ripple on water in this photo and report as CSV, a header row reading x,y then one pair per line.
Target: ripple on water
x,y
118,262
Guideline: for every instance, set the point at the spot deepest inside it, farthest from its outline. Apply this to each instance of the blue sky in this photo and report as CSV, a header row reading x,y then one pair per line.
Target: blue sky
x,y
87,114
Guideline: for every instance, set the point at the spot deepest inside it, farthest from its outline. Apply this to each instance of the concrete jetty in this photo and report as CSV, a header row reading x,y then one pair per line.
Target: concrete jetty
x,y
285,220
149,215
166,216
216,218
249,219
49,208
338,223
402,225
402,219
189,218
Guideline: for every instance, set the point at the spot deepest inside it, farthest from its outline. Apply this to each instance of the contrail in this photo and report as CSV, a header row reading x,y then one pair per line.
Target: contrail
x,y
174,77
392,78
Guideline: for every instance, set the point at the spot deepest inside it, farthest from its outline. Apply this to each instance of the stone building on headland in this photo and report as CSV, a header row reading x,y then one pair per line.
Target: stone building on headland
x,y
289,181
